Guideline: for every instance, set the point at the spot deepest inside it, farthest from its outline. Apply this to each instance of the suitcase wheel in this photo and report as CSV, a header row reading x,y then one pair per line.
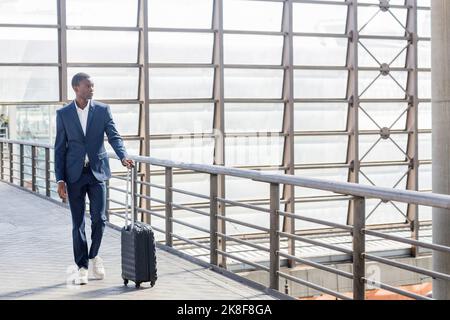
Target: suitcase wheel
x,y
152,283
125,281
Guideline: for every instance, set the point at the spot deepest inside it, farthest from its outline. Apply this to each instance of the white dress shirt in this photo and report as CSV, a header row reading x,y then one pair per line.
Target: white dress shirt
x,y
82,116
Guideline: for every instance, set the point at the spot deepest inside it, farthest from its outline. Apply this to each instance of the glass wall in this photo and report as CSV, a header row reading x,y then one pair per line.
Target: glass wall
x,y
234,58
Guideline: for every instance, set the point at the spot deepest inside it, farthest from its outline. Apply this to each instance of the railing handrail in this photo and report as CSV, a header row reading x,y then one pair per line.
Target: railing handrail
x,y
27,143
347,188
357,194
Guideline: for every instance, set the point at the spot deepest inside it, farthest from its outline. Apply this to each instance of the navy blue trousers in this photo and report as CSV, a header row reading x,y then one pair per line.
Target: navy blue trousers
x,y
96,191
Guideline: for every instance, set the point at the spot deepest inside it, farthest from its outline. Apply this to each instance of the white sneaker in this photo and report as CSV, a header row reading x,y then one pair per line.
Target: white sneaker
x,y
98,270
82,276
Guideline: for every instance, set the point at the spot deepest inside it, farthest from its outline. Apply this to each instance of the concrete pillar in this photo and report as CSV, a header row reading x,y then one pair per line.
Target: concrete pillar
x,y
440,48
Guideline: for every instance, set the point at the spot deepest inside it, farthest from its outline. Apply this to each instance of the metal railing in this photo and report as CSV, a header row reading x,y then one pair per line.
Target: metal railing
x,y
216,246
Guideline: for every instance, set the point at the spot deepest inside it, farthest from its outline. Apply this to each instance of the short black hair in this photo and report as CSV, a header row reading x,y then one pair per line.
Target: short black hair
x,y
79,77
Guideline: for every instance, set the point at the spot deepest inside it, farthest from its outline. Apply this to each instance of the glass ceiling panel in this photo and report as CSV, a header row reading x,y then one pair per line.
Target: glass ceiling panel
x,y
102,13
180,13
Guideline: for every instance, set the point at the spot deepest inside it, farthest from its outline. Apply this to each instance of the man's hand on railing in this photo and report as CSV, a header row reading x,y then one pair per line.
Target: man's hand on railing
x,y
62,190
128,163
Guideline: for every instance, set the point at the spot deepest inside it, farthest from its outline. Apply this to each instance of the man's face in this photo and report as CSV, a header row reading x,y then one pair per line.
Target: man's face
x,y
85,89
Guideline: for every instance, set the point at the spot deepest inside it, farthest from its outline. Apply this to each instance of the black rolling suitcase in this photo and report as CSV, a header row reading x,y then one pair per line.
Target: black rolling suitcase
x,y
138,247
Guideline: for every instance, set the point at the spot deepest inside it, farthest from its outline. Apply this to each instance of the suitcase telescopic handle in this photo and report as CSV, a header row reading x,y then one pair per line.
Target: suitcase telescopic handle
x,y
126,197
129,181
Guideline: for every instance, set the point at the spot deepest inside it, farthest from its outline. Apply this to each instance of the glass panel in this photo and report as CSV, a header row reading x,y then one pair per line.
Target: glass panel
x,y
320,83
198,182
254,83
425,171
185,47
28,84
28,45
424,116
185,150
126,117
251,49
391,2
333,174
252,15
387,176
262,150
424,51
247,216
425,85
316,18
425,149
35,123
320,149
424,23
385,212
320,116
181,118
383,23
384,87
102,13
253,117
31,122
424,3
384,115
109,83
30,12
314,51
241,189
384,51
179,83
180,13
132,147
104,46
331,211
384,150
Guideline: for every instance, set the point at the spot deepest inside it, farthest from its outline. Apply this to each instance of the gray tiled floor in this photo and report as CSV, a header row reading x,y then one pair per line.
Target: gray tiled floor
x,y
36,260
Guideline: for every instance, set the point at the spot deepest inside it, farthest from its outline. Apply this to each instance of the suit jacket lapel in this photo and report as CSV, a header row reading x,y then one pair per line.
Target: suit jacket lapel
x,y
90,116
76,119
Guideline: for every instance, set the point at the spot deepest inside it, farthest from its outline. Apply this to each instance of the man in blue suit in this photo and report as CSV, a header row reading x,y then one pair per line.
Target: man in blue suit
x,y
81,164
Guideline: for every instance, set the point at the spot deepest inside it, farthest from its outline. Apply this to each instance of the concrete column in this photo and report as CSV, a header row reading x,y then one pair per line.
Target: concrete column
x,y
440,47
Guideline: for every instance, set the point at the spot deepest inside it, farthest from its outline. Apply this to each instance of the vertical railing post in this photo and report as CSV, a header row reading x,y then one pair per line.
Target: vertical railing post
x,y
33,168
219,116
22,166
11,164
1,160
169,209
274,235
359,269
47,172
213,221
107,200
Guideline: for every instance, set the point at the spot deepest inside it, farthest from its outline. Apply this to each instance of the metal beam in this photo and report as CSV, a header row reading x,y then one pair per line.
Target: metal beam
x,y
353,98
412,118
288,123
440,55
62,50
144,97
219,117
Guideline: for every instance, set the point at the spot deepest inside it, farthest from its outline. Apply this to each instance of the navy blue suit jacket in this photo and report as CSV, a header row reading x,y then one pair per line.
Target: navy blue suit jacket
x,y
71,145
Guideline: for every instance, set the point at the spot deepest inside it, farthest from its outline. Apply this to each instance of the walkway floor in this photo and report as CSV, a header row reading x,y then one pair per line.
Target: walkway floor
x,y
36,260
